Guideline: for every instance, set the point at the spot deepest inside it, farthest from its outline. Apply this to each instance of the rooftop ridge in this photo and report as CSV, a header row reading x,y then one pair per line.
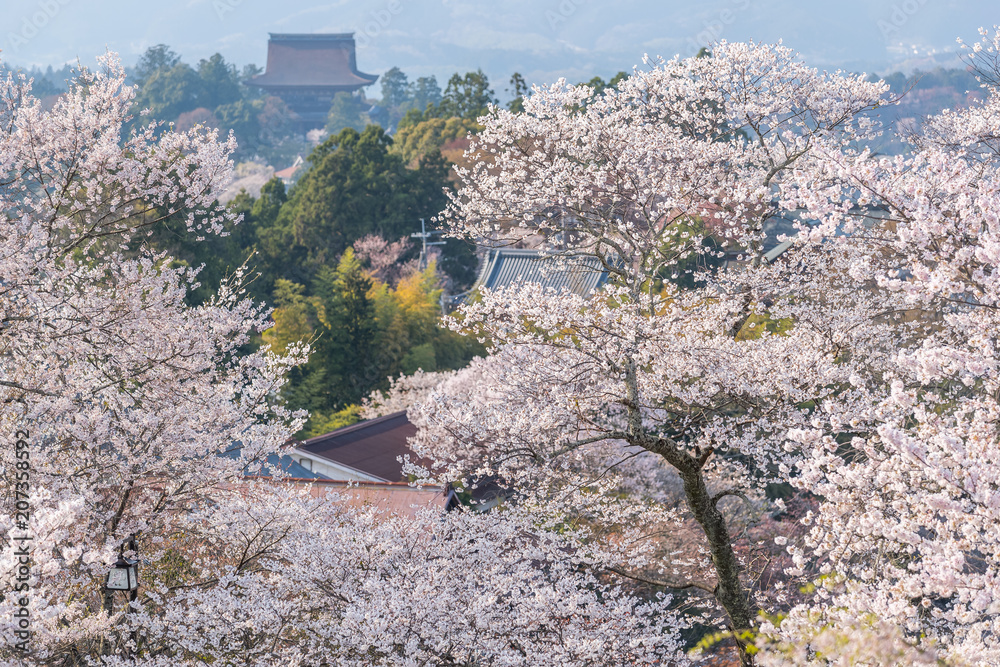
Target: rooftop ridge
x,y
295,36
355,427
345,483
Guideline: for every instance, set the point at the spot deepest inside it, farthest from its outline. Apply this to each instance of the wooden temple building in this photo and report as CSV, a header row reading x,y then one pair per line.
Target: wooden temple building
x,y
306,71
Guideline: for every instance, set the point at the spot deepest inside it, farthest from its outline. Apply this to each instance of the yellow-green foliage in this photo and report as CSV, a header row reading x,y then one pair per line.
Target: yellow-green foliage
x,y
414,141
757,324
320,423
296,316
362,331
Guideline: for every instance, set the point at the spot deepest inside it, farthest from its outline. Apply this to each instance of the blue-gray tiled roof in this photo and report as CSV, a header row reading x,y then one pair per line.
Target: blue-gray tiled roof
x,y
784,223
504,267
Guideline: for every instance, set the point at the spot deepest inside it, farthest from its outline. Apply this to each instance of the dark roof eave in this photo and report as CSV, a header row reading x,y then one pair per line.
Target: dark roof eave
x,y
372,448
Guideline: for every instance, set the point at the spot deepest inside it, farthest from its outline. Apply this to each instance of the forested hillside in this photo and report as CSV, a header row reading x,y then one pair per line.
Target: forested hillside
x,y
331,253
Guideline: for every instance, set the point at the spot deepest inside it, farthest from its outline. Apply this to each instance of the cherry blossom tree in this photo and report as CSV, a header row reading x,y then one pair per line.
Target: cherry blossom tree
x,y
129,401
908,525
407,390
141,415
647,387
859,366
312,581
384,259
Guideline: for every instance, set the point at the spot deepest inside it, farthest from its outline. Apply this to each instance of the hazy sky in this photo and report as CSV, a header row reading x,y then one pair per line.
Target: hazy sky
x,y
543,39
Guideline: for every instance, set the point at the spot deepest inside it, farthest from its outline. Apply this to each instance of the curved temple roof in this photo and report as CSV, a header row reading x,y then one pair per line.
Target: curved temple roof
x,y
312,61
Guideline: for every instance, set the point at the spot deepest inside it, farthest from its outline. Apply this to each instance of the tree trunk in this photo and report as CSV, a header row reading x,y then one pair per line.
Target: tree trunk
x,y
729,591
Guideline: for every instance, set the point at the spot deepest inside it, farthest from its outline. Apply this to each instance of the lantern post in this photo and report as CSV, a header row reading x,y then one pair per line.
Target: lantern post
x,y
123,575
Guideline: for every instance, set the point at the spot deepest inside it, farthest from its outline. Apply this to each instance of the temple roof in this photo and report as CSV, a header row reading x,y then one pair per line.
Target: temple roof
x,y
312,61
505,267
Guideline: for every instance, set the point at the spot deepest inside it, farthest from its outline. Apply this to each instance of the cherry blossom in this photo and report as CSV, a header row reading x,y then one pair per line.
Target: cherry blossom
x,y
648,394
909,522
143,415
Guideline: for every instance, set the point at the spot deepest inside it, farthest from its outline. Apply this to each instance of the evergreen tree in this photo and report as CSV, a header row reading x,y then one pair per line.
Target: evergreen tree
x,y
268,205
395,88
518,89
220,82
297,318
242,117
169,92
425,92
347,348
354,186
156,58
467,96
347,111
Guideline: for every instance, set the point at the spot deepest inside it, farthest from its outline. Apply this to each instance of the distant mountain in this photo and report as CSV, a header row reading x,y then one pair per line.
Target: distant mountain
x,y
576,39
924,94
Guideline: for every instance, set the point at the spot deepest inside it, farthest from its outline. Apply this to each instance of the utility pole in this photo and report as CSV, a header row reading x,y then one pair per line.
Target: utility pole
x,y
423,235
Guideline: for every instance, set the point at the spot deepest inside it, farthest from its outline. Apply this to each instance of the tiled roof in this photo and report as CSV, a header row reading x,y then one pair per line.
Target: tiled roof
x,y
782,224
312,61
582,275
371,447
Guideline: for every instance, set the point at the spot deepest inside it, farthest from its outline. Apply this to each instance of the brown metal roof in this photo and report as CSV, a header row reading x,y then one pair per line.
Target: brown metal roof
x,y
312,61
370,446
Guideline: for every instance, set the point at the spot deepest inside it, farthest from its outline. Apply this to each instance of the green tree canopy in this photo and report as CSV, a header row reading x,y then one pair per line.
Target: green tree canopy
x,y
518,89
155,59
355,186
243,118
425,92
347,347
395,88
268,205
425,137
169,92
346,112
363,331
220,82
467,96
